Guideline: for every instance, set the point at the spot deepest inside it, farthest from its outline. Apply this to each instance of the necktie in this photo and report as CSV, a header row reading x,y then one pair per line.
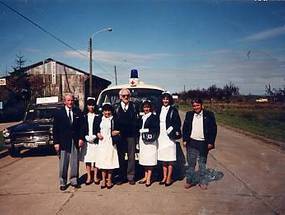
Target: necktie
x,y
125,108
69,116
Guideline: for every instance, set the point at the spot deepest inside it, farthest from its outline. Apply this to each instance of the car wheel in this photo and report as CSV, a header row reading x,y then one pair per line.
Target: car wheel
x,y
14,152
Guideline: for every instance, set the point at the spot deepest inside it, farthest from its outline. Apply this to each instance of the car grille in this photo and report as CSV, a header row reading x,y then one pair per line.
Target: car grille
x,y
31,138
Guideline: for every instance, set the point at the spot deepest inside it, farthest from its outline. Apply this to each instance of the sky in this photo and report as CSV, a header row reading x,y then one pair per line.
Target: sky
x,y
175,44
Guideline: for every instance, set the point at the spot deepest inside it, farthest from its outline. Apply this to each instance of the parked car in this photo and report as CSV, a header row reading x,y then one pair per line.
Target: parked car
x,y
34,132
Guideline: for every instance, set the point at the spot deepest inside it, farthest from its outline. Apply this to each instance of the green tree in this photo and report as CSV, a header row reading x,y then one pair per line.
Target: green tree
x,y
18,81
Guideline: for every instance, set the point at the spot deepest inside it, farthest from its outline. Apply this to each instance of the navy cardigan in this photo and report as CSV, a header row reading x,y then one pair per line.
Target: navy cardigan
x,y
114,127
152,123
173,119
85,127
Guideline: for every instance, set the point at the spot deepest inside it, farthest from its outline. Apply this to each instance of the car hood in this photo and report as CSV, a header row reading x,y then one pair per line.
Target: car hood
x,y
26,126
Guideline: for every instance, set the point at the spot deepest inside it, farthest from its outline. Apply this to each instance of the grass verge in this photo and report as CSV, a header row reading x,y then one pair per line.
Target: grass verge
x,y
262,120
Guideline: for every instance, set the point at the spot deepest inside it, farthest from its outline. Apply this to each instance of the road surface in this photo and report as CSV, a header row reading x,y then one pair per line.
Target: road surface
x,y
253,183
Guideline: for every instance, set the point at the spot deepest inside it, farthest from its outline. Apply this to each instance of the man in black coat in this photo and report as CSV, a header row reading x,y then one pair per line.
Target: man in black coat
x,y
199,134
127,116
67,141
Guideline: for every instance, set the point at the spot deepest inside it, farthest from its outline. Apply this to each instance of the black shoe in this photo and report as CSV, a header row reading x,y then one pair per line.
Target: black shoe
x,y
76,186
63,187
109,186
148,185
168,184
120,182
132,182
161,182
88,183
103,186
97,182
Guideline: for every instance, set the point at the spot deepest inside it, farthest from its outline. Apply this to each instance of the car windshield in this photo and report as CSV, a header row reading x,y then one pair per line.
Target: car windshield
x,y
40,114
137,96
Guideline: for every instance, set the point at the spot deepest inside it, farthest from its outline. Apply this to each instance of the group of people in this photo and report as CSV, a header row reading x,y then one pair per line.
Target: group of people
x,y
108,141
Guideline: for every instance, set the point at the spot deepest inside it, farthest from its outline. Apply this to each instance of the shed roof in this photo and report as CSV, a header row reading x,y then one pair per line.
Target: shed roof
x,y
107,82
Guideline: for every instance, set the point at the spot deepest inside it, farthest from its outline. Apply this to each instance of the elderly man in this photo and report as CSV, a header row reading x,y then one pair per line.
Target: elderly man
x,y
67,140
128,126
199,134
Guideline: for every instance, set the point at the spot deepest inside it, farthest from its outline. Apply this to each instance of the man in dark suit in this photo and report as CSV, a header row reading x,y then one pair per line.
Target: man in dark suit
x,y
67,140
199,134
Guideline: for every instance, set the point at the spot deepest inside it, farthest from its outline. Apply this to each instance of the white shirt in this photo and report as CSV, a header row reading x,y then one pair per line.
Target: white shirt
x,y
105,125
197,127
90,118
67,112
163,113
124,106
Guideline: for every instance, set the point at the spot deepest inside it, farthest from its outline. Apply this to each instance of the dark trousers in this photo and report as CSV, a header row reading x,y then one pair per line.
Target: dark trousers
x,y
194,154
127,168
66,159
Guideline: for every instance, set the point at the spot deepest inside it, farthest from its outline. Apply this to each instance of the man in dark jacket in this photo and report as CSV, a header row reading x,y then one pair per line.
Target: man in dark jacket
x,y
199,134
128,125
67,140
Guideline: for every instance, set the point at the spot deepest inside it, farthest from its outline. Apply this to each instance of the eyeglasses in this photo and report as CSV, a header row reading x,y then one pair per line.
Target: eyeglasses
x,y
125,96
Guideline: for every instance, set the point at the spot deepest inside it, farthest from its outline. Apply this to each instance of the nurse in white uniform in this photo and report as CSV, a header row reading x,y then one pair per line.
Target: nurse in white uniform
x,y
88,151
149,130
170,131
107,155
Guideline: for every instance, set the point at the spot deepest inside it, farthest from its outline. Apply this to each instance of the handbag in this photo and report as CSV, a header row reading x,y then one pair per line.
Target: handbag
x,y
149,137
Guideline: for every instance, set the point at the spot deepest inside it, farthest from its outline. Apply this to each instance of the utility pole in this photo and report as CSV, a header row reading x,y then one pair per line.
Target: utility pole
x,y
90,57
90,66
116,80
44,77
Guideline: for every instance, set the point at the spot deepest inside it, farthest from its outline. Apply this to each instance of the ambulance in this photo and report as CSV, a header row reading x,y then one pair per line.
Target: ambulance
x,y
140,91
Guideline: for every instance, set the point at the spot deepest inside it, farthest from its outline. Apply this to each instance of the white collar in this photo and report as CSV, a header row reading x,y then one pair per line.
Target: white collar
x,y
67,109
123,105
109,118
198,114
165,108
147,115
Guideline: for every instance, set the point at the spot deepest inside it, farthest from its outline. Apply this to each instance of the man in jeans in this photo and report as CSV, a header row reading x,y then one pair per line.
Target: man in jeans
x,y
199,134
128,125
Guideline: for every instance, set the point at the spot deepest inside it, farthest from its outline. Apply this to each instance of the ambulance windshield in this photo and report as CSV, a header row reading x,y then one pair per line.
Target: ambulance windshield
x,y
137,96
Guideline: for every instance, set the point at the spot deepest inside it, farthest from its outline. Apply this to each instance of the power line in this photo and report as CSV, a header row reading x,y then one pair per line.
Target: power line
x,y
50,34
42,29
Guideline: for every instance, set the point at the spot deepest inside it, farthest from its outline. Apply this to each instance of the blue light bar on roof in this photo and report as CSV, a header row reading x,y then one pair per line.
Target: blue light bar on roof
x,y
134,73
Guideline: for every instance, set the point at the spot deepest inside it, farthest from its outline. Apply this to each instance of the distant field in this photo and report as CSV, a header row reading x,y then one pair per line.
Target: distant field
x,y
267,120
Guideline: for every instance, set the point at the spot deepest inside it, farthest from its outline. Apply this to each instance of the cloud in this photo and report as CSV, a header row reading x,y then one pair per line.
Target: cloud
x,y
267,34
198,69
220,68
117,57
